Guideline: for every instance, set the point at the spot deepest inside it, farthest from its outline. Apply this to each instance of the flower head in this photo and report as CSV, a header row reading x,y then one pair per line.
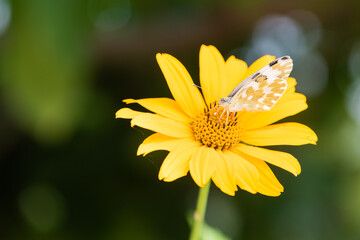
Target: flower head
x,y
224,149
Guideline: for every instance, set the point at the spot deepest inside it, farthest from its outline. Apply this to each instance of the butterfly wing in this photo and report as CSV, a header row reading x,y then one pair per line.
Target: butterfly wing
x,y
262,90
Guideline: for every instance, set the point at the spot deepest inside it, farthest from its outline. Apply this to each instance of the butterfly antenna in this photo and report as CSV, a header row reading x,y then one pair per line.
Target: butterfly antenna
x,y
206,90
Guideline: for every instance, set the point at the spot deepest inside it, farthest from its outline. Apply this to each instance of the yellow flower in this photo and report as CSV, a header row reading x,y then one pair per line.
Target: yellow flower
x,y
204,145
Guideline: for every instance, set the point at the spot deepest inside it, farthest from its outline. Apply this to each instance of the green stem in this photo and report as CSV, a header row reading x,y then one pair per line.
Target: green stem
x,y
199,213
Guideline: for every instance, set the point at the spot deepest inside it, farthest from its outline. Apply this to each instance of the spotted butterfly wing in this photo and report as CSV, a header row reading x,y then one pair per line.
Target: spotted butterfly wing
x,y
262,90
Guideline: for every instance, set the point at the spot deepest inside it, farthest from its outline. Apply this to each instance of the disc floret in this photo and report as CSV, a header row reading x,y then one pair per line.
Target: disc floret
x,y
217,128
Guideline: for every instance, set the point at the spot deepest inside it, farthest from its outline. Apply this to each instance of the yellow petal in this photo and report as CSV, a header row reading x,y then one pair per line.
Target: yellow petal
x,y
268,183
158,141
259,64
127,113
180,84
165,107
212,74
280,134
203,164
267,189
246,174
235,71
291,83
280,159
176,164
288,105
162,125
224,177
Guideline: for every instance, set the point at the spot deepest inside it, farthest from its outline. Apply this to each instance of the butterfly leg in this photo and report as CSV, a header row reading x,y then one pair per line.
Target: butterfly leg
x,y
222,113
217,109
227,118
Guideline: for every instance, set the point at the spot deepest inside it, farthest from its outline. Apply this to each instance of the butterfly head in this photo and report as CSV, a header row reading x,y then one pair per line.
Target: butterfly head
x,y
225,100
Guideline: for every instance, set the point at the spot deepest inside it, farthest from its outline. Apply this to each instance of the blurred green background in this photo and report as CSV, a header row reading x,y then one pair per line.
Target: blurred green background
x,y
68,168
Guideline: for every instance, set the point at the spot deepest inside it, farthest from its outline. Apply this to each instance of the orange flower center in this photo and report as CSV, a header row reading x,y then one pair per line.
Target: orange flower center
x,y
216,128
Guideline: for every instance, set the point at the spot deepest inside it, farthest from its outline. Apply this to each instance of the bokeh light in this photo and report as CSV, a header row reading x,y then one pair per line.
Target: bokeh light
x,y
5,15
281,35
42,207
109,15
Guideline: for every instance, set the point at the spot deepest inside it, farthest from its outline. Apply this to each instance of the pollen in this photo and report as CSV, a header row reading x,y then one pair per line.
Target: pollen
x,y
217,128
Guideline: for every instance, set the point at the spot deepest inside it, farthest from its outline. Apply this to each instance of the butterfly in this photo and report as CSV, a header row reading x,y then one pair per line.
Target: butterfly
x,y
262,90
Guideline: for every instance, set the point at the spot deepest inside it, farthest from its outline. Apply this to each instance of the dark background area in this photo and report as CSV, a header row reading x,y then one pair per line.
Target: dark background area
x,y
68,168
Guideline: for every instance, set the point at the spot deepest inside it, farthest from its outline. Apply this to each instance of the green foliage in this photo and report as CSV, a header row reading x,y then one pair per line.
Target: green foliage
x,y
208,232
45,82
